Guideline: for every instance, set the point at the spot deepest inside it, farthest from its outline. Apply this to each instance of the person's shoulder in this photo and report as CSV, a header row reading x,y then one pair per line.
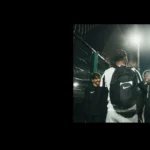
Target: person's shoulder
x,y
137,73
109,70
134,69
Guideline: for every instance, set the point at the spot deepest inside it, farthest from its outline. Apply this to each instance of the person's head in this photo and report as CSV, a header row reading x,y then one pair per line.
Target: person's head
x,y
95,78
147,76
120,57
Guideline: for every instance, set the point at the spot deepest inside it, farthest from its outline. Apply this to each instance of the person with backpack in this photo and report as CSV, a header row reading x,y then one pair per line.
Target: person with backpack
x,y
124,85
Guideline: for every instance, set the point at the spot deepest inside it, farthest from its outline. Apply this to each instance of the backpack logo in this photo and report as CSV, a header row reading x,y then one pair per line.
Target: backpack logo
x,y
126,87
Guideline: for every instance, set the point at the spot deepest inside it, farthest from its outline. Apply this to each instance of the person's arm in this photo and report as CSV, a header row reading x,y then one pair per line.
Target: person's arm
x,y
102,78
142,95
140,82
105,95
140,104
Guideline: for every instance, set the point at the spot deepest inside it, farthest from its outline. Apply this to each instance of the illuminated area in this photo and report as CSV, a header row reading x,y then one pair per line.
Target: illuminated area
x,y
135,38
75,84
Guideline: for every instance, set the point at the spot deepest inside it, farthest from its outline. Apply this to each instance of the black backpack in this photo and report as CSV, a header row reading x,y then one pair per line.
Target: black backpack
x,y
124,87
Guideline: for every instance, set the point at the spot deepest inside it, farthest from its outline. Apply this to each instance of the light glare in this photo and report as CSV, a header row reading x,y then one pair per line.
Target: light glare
x,y
75,84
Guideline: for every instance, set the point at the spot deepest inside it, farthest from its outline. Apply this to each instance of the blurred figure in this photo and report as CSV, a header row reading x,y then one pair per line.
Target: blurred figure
x,y
146,76
147,99
94,108
123,91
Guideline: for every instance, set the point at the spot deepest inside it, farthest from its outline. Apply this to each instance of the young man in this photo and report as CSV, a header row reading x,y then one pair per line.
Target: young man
x,y
116,113
94,106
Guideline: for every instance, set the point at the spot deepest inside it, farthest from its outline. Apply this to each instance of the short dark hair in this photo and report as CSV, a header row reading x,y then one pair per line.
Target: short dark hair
x,y
119,55
95,75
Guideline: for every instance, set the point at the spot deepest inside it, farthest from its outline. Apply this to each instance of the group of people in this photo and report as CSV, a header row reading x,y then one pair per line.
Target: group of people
x,y
119,95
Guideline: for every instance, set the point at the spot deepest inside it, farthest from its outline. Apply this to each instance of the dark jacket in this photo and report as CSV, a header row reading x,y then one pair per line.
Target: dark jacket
x,y
95,101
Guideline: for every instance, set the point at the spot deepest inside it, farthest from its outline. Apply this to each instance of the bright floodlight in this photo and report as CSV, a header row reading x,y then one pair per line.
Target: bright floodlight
x,y
135,39
75,84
